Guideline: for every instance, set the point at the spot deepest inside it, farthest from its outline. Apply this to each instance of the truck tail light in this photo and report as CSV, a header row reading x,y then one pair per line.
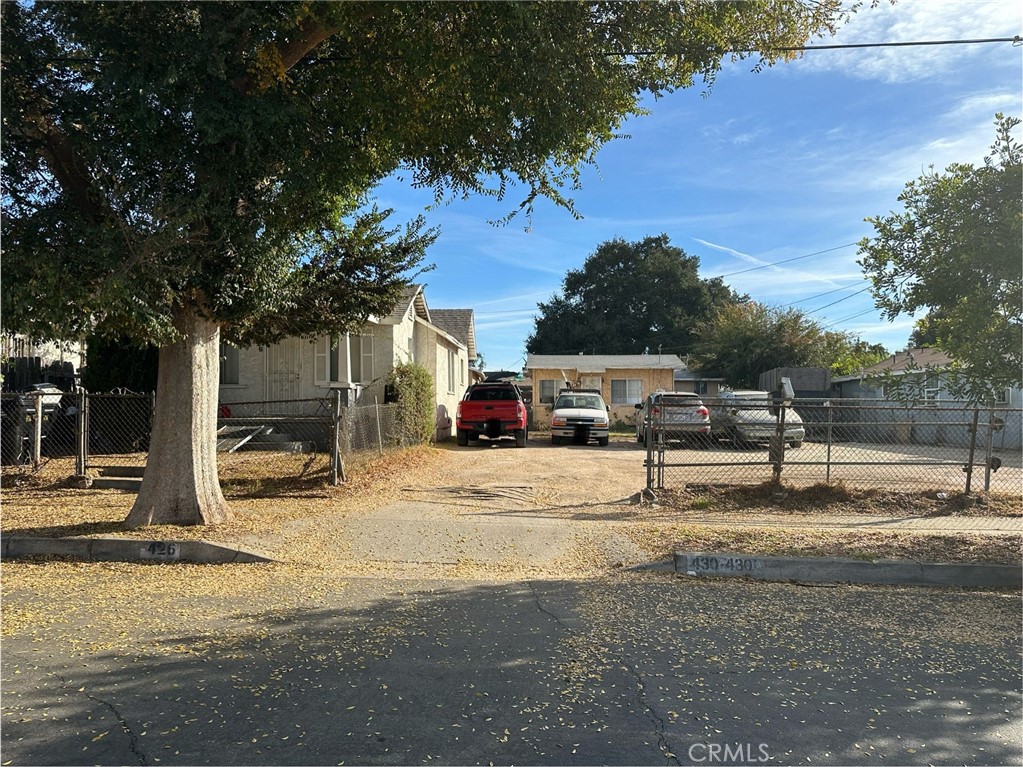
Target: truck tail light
x,y
458,411
655,410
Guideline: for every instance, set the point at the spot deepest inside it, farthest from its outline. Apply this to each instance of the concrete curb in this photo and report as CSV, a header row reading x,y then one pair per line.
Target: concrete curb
x,y
126,550
836,570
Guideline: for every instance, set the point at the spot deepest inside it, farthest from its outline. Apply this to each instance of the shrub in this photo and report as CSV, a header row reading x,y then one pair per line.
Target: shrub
x,y
413,388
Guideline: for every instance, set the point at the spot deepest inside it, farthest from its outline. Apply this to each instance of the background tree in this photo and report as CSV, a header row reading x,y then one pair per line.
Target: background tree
x,y
628,298
924,333
116,363
175,172
746,339
956,250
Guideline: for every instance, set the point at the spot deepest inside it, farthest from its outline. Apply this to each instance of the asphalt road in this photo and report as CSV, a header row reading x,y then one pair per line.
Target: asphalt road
x,y
267,664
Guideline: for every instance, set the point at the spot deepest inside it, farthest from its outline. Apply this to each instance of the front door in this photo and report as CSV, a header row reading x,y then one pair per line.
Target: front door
x,y
284,370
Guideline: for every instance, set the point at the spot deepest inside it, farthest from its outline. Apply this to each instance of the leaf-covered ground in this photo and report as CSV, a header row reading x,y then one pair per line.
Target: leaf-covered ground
x,y
303,520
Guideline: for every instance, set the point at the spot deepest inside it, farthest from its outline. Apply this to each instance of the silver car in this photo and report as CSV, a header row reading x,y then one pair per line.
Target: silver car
x,y
745,416
671,416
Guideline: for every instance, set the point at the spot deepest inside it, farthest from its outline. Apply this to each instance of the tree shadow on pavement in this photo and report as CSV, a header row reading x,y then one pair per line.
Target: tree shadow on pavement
x,y
602,671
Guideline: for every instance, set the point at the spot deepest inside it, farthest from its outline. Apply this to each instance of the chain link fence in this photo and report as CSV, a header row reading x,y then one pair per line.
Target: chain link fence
x,y
280,439
861,443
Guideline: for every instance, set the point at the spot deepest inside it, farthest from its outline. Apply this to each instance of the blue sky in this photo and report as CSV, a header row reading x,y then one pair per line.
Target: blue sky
x,y
765,167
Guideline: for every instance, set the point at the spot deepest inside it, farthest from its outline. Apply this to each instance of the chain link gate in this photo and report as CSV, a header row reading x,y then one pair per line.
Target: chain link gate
x,y
920,445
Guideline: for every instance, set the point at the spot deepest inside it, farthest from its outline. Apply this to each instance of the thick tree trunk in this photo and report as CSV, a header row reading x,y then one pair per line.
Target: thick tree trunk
x,y
181,486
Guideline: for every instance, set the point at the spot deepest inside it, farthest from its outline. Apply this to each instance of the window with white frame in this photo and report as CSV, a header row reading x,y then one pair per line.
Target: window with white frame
x,y
548,391
626,391
330,360
451,372
1002,397
329,350
362,358
229,364
931,396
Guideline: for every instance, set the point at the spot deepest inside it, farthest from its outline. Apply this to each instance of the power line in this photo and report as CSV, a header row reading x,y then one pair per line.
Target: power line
x,y
820,295
844,298
786,261
1016,40
846,319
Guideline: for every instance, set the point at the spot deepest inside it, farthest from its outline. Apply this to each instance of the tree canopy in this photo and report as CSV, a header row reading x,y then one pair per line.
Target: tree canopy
x,y
956,252
743,340
178,171
629,298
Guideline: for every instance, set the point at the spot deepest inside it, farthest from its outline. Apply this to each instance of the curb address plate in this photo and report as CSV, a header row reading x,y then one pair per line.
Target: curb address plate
x,y
161,550
713,565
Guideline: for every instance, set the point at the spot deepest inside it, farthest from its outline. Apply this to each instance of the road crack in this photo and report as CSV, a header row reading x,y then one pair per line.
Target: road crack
x,y
133,741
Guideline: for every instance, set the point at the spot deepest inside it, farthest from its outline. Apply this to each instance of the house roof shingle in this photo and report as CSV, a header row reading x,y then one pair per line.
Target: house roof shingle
x,y
458,323
910,360
410,294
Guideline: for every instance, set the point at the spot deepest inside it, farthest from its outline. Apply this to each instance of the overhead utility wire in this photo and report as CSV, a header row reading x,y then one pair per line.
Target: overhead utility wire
x,y
844,298
846,319
1016,40
787,260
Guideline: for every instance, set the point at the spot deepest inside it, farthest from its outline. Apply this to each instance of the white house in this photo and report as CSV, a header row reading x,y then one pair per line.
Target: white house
x,y
358,364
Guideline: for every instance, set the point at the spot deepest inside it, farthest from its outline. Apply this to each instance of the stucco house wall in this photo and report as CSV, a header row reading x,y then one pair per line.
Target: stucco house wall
x,y
288,371
551,373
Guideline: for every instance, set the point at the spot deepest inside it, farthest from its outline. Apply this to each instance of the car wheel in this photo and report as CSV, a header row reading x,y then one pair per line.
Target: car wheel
x,y
520,438
462,437
602,441
555,440
796,443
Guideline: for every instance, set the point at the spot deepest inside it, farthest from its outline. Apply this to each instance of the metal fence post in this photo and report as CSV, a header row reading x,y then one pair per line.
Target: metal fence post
x,y
648,431
777,449
989,448
37,432
380,436
337,466
831,421
81,440
973,448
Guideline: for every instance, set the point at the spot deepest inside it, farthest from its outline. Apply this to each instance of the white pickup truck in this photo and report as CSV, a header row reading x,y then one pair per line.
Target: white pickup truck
x,y
579,416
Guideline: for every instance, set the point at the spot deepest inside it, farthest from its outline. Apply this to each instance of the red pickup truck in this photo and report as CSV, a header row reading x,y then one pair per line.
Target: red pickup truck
x,y
491,410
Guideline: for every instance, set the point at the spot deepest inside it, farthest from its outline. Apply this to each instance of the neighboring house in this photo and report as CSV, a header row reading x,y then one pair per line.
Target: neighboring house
x,y
24,362
442,340
892,422
923,364
696,382
624,380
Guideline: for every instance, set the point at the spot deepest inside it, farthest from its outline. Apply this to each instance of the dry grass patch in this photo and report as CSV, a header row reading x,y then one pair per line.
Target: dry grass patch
x,y
839,499
40,503
662,541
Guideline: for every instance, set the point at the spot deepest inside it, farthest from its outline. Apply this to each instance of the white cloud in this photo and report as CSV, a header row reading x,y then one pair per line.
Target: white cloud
x,y
915,21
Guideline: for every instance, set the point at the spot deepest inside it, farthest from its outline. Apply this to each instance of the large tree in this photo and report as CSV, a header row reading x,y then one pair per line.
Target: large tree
x,y
628,298
744,340
179,172
956,253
